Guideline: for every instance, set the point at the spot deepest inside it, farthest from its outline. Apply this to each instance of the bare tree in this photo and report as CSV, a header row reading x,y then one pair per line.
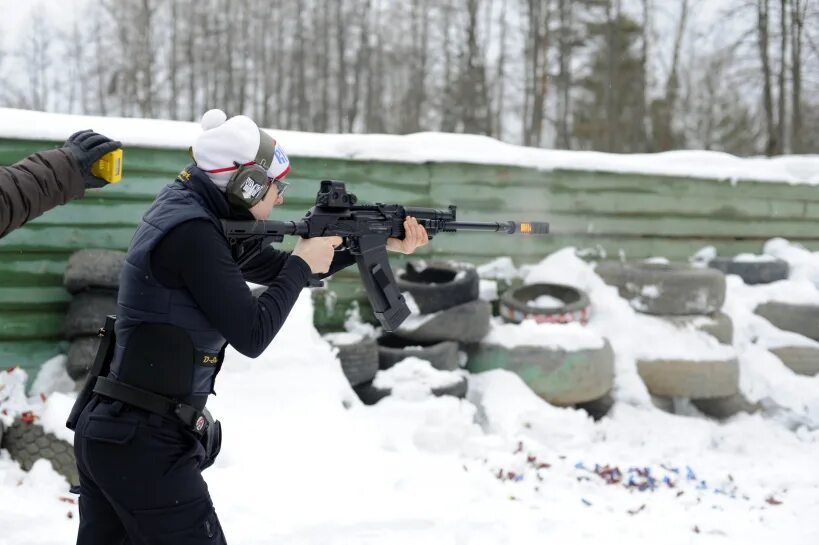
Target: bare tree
x,y
564,78
500,73
362,66
34,52
472,88
664,109
798,12
763,11
538,13
783,55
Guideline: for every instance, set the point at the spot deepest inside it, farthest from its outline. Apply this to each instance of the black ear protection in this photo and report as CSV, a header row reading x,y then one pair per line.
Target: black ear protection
x,y
249,184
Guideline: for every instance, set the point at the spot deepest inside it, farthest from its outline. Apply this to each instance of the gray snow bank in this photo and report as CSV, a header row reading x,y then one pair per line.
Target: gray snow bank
x,y
413,377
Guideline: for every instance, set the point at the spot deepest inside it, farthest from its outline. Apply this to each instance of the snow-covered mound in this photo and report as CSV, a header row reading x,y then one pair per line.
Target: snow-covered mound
x,y
305,462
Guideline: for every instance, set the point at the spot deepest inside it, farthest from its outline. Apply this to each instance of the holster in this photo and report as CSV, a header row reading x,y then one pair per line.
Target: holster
x,y
101,367
211,440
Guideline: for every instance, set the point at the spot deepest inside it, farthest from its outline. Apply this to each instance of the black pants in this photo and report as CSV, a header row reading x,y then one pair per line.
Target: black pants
x,y
140,480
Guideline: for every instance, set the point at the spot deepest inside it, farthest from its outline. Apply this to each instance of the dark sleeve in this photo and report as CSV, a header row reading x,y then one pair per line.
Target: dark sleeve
x,y
197,256
264,268
36,184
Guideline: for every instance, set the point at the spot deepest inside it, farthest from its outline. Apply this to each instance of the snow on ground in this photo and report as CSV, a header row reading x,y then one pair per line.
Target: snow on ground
x,y
413,377
804,264
571,336
424,147
304,462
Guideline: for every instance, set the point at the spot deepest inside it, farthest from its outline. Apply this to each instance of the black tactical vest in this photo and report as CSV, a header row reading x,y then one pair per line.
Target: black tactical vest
x,y
164,343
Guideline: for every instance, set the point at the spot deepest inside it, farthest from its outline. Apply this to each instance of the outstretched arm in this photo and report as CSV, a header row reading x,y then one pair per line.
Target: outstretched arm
x,y
50,178
36,184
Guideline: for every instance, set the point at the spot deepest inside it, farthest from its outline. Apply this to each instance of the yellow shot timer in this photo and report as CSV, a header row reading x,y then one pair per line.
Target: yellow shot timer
x,y
109,167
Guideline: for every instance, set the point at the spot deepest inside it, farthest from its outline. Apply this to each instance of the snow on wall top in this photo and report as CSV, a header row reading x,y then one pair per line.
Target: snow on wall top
x,y
426,147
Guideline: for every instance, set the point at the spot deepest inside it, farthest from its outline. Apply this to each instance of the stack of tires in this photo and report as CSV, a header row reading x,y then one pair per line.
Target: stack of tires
x,y
685,296
802,319
449,316
92,277
565,374
797,318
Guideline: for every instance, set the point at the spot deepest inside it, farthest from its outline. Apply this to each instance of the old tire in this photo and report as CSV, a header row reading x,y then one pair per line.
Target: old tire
x,y
659,288
81,356
718,325
442,355
558,376
803,360
802,319
359,360
725,407
466,323
87,312
690,379
752,272
90,269
28,443
438,285
517,304
369,394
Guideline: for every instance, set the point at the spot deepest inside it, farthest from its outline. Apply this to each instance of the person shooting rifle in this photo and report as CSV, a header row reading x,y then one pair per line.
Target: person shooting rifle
x,y
143,434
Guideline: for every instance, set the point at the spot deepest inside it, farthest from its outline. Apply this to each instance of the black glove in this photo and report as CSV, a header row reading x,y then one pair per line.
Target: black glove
x,y
87,147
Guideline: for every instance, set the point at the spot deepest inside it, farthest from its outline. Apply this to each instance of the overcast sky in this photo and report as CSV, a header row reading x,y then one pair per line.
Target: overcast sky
x,y
13,15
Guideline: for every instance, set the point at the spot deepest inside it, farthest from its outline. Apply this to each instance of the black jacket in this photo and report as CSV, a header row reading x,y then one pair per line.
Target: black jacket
x,y
196,256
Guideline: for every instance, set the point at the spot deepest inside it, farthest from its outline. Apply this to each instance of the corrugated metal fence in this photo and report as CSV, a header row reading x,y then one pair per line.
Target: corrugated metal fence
x,y
635,215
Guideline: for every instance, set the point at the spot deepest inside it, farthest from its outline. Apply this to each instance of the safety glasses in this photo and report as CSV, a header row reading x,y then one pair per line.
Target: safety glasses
x,y
281,186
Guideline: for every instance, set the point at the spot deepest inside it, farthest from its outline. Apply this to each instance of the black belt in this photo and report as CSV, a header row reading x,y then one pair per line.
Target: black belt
x,y
191,417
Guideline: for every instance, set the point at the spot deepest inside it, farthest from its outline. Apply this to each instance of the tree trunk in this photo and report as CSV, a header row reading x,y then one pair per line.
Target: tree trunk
x,y
500,77
341,76
798,11
665,134
611,113
564,78
190,52
173,99
362,66
644,75
783,46
767,99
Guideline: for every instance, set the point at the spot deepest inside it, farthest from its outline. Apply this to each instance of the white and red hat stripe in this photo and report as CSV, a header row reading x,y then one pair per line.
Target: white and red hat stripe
x,y
226,142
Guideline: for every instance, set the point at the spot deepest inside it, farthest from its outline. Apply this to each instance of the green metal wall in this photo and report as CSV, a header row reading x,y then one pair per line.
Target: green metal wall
x,y
638,215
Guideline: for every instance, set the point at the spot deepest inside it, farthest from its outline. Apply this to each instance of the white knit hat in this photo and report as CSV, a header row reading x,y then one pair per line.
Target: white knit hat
x,y
225,142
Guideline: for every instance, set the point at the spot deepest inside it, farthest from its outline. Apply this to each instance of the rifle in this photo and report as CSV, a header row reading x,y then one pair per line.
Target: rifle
x,y
364,230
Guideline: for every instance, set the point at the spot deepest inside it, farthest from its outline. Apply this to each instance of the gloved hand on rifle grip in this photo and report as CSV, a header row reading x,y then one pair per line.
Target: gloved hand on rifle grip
x,y
87,147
